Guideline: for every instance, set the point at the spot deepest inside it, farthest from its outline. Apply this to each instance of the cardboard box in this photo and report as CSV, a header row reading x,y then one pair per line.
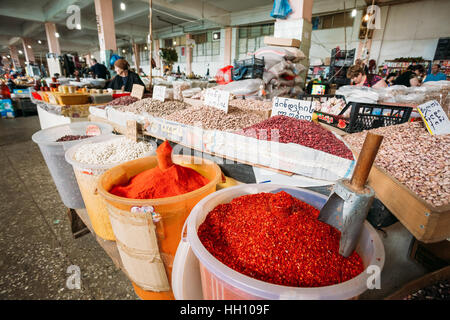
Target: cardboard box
x,y
282,42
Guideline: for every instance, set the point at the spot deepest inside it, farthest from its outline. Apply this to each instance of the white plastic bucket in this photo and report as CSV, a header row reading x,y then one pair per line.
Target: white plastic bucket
x,y
54,156
219,282
88,175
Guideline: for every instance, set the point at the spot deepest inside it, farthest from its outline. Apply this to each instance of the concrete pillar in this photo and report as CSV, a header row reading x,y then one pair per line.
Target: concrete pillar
x,y
28,50
88,59
137,58
234,44
188,56
106,30
228,46
14,53
297,25
52,40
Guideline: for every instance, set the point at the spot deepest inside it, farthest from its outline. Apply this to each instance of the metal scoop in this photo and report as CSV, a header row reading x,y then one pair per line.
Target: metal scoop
x,y
348,205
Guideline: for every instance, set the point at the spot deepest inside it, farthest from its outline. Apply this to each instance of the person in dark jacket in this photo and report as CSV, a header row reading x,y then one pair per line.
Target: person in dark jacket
x,y
125,78
410,77
99,70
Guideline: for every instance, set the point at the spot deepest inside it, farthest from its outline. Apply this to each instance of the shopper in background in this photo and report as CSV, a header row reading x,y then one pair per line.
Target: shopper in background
x,y
360,62
390,78
361,79
125,78
372,68
99,70
411,77
435,74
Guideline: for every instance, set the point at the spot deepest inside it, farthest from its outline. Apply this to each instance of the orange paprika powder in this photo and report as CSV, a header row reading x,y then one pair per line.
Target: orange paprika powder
x,y
166,180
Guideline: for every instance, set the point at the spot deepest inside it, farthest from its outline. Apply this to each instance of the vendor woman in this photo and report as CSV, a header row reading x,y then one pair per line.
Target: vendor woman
x,y
360,78
125,78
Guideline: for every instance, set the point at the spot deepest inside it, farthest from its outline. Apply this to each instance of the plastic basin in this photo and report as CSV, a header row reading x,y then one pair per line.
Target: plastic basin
x,y
219,282
54,156
88,176
147,243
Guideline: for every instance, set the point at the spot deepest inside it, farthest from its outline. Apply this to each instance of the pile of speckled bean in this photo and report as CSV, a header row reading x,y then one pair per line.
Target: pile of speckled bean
x,y
415,158
153,107
212,118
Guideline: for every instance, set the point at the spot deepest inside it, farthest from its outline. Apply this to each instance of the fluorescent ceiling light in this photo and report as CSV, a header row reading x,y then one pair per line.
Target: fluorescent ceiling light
x,y
174,43
123,6
29,47
145,48
8,56
39,41
78,26
20,51
353,12
123,50
57,34
366,17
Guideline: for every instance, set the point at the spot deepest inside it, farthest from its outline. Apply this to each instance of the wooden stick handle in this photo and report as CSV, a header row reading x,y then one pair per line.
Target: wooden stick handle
x,y
365,160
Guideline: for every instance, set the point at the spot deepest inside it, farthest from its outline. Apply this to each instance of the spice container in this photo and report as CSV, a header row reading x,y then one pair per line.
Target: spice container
x,y
90,160
148,231
220,282
53,153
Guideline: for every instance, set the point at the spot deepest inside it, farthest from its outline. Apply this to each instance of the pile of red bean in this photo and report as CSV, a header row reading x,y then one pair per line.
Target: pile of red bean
x,y
305,133
71,138
123,101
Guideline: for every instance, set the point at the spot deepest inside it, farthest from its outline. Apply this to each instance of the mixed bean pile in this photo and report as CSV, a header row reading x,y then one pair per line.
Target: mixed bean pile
x,y
278,239
305,133
439,290
154,107
123,101
251,105
212,118
72,138
415,158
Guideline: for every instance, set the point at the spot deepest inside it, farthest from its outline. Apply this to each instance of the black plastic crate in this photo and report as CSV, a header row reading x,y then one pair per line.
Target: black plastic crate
x,y
254,72
366,116
251,62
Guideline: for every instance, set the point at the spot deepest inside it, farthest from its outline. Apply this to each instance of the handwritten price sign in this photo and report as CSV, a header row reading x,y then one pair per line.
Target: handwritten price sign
x,y
218,99
434,118
159,93
298,109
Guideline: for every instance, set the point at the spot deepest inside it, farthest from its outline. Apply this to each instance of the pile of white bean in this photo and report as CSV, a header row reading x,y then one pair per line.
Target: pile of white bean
x,y
415,158
112,151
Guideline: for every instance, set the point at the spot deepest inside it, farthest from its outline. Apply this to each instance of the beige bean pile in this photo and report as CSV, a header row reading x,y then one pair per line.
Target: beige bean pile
x,y
417,159
153,107
261,107
212,118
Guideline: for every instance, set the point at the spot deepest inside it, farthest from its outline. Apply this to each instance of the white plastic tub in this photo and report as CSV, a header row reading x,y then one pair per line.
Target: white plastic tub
x,y
220,282
88,175
54,156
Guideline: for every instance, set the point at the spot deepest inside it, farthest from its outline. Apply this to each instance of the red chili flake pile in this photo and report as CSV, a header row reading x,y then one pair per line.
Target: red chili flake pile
x,y
277,238
303,132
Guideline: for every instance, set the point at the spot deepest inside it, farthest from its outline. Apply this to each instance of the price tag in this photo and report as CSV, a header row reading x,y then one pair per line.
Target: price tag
x,y
132,131
298,109
434,118
218,99
137,91
92,130
159,93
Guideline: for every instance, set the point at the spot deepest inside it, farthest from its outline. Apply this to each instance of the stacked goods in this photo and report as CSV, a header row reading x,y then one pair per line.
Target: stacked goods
x,y
212,118
415,158
153,107
278,239
282,72
302,132
332,106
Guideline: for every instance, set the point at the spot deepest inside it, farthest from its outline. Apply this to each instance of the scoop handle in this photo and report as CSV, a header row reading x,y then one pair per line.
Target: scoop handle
x,y
365,160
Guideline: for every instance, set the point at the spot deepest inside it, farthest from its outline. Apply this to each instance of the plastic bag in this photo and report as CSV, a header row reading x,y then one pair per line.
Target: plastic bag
x,y
281,9
243,87
224,76
178,88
